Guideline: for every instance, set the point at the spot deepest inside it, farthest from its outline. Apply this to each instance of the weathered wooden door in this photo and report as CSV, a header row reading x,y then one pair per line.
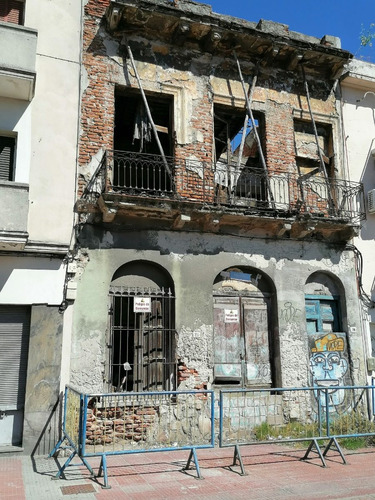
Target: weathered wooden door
x,y
241,341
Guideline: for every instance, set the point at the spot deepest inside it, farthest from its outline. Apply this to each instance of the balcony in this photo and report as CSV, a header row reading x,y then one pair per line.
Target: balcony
x,y
17,65
128,185
14,204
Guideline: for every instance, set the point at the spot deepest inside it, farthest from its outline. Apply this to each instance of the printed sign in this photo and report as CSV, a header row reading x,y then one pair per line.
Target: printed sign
x,y
231,316
142,304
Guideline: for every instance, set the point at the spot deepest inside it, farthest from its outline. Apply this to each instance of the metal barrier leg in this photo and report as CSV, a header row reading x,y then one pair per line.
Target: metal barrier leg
x,y
61,470
317,450
103,468
193,454
336,446
60,442
237,456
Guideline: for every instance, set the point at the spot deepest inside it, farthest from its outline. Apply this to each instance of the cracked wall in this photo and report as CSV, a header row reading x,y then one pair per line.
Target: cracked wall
x,y
193,261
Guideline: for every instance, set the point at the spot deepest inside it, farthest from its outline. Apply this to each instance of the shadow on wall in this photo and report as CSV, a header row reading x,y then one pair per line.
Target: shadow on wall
x,y
51,431
367,176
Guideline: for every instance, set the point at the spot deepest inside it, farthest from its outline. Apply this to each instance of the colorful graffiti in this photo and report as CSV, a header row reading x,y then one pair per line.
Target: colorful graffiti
x,y
329,368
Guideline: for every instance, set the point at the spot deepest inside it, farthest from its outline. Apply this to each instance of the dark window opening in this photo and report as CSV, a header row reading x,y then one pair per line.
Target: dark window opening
x,y
239,171
7,156
307,153
133,130
142,344
139,166
12,11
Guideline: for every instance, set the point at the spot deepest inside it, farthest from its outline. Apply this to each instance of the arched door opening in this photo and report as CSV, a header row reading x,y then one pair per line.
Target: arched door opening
x,y
141,343
329,354
244,349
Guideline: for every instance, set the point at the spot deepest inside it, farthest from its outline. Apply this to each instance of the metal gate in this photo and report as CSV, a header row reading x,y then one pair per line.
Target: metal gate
x,y
14,346
141,344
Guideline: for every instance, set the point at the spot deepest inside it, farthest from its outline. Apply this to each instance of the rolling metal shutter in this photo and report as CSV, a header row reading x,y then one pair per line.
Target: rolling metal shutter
x,y
14,347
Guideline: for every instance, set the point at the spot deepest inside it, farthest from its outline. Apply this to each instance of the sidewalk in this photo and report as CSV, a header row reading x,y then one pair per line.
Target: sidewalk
x,y
273,472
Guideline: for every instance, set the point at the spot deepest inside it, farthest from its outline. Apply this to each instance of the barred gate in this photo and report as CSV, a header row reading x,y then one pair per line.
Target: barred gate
x,y
141,345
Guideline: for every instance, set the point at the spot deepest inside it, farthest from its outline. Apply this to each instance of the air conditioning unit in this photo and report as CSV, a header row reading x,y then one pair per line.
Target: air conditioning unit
x,y
371,201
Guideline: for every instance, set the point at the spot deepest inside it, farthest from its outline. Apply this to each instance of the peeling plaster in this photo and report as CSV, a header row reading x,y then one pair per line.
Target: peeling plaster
x,y
87,363
195,349
88,170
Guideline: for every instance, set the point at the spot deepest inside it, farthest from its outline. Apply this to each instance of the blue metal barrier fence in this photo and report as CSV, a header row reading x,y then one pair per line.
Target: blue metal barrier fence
x,y
285,415
125,423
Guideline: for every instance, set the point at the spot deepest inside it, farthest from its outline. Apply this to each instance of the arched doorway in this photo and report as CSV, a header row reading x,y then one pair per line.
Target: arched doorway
x,y
141,334
244,349
329,354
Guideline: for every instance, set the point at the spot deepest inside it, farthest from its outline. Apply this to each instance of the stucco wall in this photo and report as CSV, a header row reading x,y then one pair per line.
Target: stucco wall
x,y
358,105
29,280
193,262
55,109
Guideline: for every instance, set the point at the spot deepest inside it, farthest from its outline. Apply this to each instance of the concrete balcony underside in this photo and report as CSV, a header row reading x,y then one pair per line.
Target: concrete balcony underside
x,y
129,213
17,65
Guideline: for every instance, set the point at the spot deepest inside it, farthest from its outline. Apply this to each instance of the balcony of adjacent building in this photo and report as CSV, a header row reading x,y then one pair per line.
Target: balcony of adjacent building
x,y
153,191
13,215
17,64
14,199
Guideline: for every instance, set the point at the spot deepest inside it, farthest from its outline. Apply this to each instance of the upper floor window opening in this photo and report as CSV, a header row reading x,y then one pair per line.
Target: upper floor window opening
x,y
7,158
239,174
307,152
139,165
133,131
12,11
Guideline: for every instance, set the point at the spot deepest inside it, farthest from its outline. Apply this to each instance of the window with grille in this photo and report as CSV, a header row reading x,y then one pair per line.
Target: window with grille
x,y
7,152
141,345
12,11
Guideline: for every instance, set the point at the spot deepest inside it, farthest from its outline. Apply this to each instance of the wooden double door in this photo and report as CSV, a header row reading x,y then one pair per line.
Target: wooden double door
x,y
242,340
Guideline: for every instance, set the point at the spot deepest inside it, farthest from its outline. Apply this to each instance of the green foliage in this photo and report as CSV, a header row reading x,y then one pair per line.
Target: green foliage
x,y
367,36
291,430
350,423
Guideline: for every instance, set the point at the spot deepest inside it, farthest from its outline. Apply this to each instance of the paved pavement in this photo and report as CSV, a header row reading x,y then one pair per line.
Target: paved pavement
x,y
273,472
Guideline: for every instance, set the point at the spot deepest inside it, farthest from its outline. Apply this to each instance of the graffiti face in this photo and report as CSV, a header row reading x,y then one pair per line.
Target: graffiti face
x,y
328,368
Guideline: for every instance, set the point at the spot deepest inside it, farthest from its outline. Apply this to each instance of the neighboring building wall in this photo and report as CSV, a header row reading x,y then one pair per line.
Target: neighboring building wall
x,y
55,111
358,104
38,228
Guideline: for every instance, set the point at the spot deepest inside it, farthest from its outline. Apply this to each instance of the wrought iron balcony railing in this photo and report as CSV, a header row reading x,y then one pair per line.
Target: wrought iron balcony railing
x,y
228,186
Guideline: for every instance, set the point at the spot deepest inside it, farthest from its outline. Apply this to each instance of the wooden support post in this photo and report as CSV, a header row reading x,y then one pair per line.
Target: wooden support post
x,y
149,112
321,159
250,112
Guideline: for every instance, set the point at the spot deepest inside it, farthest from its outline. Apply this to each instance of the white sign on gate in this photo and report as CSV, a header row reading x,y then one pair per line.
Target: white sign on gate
x,y
231,316
142,305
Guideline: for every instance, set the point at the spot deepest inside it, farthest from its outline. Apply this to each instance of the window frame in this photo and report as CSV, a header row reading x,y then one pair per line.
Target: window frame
x,y
11,167
7,6
319,299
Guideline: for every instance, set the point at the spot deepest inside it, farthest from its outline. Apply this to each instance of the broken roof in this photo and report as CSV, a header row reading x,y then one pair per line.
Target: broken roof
x,y
195,26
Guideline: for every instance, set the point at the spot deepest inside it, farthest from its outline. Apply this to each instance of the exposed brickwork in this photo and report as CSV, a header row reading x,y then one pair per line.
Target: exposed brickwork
x,y
114,424
279,138
276,97
185,373
97,118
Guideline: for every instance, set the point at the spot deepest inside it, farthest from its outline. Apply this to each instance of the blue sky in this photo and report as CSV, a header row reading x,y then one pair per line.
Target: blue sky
x,y
313,17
